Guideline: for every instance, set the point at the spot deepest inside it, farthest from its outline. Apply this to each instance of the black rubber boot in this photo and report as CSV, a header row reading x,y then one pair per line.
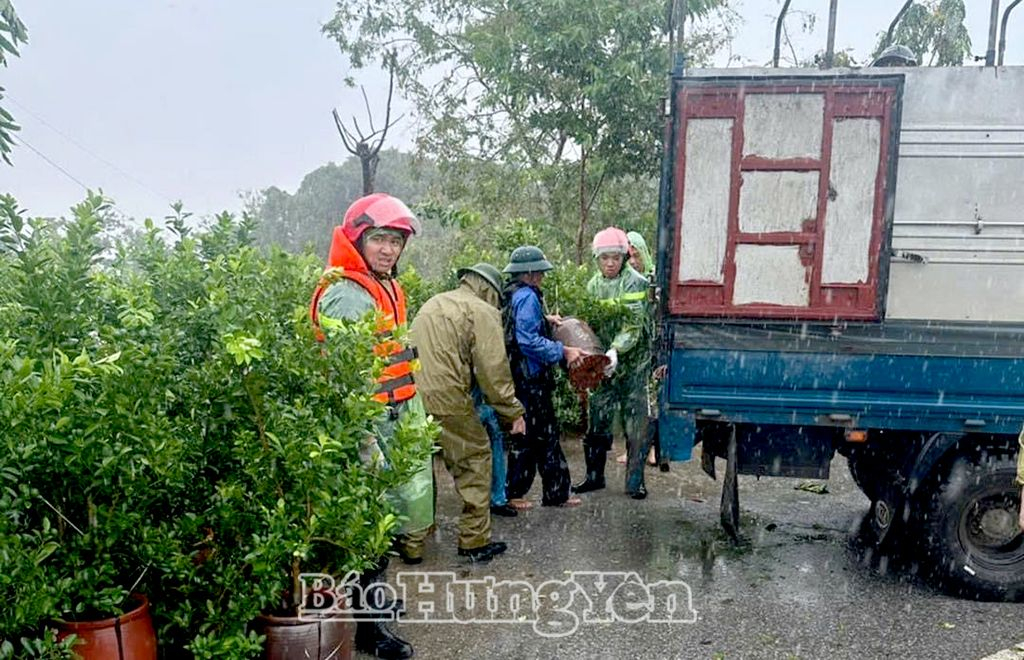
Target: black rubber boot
x,y
504,510
484,553
595,459
376,639
373,596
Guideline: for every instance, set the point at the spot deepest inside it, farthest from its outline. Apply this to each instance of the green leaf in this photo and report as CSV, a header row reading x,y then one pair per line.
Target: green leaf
x,y
110,359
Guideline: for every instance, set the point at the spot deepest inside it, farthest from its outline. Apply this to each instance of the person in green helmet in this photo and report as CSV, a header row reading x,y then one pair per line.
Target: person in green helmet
x,y
625,389
533,354
460,340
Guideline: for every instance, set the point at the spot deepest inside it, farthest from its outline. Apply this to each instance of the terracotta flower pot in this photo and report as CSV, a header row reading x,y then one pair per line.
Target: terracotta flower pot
x,y
589,372
308,638
126,637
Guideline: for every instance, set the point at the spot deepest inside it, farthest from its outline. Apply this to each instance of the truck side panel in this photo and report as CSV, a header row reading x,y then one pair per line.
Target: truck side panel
x,y
876,391
958,209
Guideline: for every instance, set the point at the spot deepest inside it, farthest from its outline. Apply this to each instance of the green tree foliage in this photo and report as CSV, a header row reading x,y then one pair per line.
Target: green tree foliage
x,y
12,33
566,90
524,77
934,30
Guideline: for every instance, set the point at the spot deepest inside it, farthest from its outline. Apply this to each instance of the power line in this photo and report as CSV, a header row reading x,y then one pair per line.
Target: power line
x,y
60,169
88,151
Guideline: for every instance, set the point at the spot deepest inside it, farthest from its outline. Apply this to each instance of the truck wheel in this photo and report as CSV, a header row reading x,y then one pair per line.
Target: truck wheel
x,y
865,472
873,467
973,541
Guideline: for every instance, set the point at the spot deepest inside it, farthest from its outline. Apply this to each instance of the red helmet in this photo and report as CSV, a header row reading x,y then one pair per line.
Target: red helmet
x,y
379,210
610,239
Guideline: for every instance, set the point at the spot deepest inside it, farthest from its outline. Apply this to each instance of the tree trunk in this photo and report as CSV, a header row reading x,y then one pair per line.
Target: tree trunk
x,y
581,232
778,34
369,163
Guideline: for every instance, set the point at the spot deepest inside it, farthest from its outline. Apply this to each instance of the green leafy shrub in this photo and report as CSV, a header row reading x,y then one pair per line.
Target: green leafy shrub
x,y
172,427
84,444
417,289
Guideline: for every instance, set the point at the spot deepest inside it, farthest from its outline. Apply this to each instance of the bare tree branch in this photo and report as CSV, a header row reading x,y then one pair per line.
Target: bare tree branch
x,y
584,209
597,188
366,104
355,122
366,146
351,138
387,111
789,43
341,131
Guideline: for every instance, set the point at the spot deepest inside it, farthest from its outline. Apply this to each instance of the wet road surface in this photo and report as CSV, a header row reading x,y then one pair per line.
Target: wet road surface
x,y
796,588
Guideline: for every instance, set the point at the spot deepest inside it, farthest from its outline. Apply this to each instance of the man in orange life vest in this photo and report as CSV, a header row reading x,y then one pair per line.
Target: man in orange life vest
x,y
359,279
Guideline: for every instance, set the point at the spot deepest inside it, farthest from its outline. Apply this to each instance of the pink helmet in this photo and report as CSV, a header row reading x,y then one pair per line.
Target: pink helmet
x,y
378,210
610,239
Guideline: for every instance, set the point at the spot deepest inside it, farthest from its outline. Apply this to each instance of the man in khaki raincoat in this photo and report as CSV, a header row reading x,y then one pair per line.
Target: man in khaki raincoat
x,y
460,339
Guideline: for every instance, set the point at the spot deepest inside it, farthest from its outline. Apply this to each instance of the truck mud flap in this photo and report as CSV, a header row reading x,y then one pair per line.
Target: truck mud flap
x,y
676,432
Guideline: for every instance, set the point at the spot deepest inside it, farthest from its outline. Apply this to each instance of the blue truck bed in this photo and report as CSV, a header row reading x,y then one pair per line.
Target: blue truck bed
x,y
904,376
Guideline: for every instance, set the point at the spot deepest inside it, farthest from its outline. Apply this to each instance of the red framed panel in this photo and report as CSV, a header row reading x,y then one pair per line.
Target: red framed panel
x,y
759,164
824,179
842,100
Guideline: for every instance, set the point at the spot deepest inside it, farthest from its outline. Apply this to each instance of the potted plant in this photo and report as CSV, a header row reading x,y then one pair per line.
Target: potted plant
x,y
89,459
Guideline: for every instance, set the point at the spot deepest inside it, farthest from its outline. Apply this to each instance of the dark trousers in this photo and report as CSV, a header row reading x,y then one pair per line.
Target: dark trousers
x,y
625,394
371,596
540,449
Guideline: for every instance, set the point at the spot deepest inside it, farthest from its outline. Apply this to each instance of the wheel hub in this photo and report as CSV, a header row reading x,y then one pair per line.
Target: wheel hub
x,y
999,525
993,523
883,514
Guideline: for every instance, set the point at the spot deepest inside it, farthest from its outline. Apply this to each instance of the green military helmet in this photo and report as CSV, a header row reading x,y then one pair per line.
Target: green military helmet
x,y
491,274
527,259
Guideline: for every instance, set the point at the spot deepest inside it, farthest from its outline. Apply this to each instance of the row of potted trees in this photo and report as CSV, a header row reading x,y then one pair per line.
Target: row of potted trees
x,y
174,439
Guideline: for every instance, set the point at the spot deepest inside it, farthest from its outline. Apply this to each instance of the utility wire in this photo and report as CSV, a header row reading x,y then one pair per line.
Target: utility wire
x,y
86,149
60,169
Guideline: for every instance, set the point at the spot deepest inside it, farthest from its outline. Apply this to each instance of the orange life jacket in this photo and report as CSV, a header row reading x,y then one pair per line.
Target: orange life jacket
x,y
396,383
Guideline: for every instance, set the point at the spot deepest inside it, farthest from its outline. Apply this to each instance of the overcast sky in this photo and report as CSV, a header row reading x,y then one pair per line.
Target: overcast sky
x,y
199,100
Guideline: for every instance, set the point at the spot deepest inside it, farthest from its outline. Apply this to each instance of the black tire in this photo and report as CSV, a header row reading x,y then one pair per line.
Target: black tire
x,y
874,466
865,473
973,543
